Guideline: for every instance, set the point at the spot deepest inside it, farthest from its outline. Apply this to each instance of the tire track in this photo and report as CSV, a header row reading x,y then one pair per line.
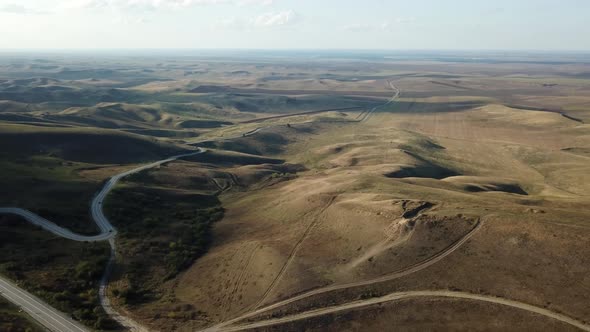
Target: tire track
x,y
240,280
388,277
369,113
414,294
293,252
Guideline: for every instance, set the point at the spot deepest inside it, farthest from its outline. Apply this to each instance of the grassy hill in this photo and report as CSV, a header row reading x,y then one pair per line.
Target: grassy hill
x,y
44,167
82,145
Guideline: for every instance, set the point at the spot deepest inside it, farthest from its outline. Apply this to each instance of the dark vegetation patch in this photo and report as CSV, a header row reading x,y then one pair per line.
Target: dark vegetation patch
x,y
422,171
22,118
262,143
84,146
280,103
84,121
228,159
163,133
210,89
421,145
303,113
285,92
418,107
452,84
424,168
111,115
541,109
161,233
12,320
253,177
504,187
240,73
79,97
203,124
15,107
413,208
50,188
578,150
64,273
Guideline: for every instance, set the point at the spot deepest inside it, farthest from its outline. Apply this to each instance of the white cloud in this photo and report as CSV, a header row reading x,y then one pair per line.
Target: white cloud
x,y
156,4
275,19
20,10
384,26
358,27
229,23
405,20
255,2
263,21
130,20
361,27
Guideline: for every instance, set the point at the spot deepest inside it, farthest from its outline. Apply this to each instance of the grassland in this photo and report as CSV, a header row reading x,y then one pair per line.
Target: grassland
x,y
488,155
165,218
345,215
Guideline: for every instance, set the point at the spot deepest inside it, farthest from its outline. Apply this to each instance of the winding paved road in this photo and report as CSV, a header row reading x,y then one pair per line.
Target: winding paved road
x,y
47,316
43,313
55,229
31,304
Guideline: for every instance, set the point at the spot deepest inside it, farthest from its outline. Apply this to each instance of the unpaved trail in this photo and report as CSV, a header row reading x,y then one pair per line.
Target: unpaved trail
x,y
274,117
366,115
244,270
409,295
294,251
125,321
396,234
388,277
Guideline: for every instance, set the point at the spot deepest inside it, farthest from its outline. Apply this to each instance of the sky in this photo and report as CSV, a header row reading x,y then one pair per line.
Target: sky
x,y
296,24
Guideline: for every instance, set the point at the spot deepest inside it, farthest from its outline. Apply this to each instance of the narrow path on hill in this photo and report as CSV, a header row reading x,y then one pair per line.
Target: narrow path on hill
x,y
409,295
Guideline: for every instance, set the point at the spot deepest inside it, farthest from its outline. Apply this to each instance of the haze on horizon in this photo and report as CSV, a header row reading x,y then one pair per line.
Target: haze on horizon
x,y
290,24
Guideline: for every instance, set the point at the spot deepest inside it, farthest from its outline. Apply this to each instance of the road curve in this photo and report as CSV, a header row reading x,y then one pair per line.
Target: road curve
x,y
43,313
388,277
46,315
53,228
409,295
96,206
107,231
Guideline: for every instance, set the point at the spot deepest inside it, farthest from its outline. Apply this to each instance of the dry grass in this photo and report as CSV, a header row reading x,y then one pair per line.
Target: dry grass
x,y
339,222
448,143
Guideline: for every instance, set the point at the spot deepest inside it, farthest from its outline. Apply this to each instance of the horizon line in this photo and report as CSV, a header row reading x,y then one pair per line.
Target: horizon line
x,y
83,49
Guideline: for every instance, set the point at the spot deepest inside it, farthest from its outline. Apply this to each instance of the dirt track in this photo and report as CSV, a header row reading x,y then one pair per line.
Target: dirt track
x,y
415,268
311,226
301,113
408,295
